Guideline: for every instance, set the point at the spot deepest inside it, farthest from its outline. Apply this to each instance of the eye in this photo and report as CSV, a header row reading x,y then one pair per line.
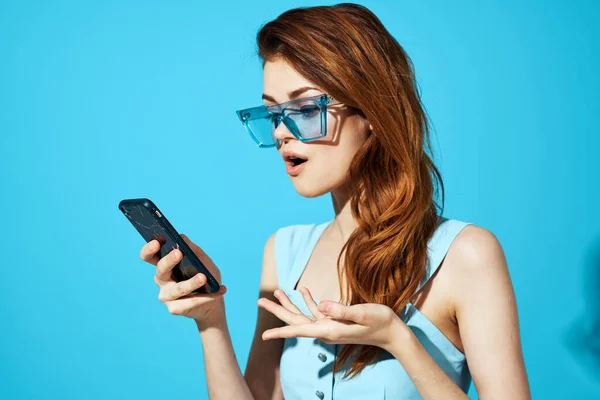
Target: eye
x,y
310,110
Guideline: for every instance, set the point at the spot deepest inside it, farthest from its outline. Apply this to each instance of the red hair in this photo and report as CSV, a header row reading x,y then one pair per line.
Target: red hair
x,y
346,50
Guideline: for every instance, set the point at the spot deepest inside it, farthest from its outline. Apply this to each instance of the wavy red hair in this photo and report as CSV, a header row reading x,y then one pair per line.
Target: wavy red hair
x,y
346,50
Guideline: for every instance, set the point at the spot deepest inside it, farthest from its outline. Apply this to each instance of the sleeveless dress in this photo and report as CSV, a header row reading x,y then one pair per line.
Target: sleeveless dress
x,y
306,364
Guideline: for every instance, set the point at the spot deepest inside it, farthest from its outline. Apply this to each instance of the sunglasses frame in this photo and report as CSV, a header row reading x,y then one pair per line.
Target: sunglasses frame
x,y
277,111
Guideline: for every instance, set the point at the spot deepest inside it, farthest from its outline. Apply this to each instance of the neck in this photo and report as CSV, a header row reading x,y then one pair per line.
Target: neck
x,y
344,222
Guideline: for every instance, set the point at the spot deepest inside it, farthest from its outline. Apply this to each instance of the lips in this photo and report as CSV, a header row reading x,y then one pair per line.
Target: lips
x,y
293,159
294,162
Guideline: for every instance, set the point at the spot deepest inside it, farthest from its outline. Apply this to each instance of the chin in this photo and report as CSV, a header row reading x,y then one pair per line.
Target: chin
x,y
313,187
310,192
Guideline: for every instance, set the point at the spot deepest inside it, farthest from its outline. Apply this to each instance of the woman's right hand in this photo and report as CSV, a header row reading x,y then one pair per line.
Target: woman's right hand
x,y
178,296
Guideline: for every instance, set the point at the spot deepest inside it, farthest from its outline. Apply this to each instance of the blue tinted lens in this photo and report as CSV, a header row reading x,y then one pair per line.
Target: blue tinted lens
x,y
305,119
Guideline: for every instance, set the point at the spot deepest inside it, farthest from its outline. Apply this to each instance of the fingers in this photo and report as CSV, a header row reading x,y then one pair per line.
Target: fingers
x,y
327,330
285,301
302,330
340,311
149,252
282,313
183,288
185,305
165,265
312,306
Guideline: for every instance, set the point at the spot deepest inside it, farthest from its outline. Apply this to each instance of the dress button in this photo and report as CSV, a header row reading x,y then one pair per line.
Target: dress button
x,y
322,357
320,394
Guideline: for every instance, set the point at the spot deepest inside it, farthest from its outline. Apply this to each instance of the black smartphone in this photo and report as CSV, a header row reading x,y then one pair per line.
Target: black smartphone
x,y
151,223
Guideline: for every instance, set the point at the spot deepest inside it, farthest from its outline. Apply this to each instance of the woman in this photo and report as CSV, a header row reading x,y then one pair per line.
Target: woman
x,y
414,304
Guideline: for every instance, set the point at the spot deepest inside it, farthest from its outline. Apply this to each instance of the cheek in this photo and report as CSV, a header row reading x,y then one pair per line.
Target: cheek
x,y
332,165
349,144
335,156
348,133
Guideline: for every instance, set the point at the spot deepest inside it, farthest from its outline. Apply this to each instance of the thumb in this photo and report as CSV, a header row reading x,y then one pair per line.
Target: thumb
x,y
340,311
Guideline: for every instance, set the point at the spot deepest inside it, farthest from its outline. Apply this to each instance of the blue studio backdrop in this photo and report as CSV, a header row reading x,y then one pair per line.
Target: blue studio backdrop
x,y
106,100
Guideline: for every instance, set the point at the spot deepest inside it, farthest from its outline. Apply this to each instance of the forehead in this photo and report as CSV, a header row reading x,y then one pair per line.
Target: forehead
x,y
279,78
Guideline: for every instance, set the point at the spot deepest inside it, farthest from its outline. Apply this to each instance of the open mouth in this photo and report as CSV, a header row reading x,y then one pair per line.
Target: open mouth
x,y
296,161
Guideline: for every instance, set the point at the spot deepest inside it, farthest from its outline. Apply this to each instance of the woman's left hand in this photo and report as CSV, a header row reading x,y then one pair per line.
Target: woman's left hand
x,y
332,322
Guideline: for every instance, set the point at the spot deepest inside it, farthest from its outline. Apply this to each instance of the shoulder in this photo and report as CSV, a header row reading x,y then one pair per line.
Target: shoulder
x,y
293,236
476,264
295,229
283,245
484,308
286,237
475,247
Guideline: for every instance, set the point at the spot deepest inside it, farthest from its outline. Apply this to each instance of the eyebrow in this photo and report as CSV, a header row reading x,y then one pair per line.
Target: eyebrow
x,y
292,95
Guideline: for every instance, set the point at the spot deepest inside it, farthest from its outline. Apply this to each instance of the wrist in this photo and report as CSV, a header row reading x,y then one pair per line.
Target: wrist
x,y
215,318
402,339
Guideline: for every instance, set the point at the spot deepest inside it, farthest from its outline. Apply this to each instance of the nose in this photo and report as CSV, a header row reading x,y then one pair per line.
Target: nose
x,y
282,133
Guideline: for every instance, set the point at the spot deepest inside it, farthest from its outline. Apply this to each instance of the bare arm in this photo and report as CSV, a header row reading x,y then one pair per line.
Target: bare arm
x,y
223,374
262,369
487,317
485,309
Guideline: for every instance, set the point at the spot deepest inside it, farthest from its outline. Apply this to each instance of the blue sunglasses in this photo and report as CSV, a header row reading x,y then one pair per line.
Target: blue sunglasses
x,y
305,118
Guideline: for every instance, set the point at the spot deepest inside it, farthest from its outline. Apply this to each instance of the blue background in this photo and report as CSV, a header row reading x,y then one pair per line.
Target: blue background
x,y
101,101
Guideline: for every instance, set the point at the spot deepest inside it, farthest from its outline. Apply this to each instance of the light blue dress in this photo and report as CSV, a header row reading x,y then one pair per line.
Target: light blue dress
x,y
306,365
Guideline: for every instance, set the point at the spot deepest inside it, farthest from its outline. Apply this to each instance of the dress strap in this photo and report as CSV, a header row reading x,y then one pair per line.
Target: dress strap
x,y
309,237
438,245
293,246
